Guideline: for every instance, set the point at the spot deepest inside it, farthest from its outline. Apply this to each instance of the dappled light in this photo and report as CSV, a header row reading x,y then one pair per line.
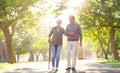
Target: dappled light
x,y
78,36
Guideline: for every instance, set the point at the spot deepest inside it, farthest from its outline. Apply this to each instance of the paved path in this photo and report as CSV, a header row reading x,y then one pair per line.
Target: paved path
x,y
83,66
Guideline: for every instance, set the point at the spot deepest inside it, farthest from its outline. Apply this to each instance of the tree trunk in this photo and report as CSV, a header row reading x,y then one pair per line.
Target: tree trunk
x,y
0,49
98,53
31,57
106,55
113,44
44,56
105,52
37,56
11,54
8,37
18,57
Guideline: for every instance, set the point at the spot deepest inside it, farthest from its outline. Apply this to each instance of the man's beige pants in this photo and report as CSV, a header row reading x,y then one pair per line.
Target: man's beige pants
x,y
71,53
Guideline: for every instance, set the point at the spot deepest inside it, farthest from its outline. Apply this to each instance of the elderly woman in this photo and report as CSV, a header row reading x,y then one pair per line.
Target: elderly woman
x,y
56,43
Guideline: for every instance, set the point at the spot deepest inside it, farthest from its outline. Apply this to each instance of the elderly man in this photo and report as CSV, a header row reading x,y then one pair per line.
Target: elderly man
x,y
75,33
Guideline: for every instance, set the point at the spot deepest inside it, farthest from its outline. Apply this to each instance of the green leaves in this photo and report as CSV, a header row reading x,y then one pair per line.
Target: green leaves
x,y
97,17
2,9
40,44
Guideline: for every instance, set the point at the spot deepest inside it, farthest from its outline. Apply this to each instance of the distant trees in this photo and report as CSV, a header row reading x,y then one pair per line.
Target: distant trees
x,y
101,22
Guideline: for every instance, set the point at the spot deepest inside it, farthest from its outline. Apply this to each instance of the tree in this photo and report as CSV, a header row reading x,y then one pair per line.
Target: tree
x,y
11,12
99,14
117,40
40,46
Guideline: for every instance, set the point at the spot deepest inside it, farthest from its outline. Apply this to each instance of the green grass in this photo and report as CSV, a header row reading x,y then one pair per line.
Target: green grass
x,y
110,61
6,67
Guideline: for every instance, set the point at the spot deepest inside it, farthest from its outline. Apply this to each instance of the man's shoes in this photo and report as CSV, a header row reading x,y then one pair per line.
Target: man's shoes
x,y
73,68
68,68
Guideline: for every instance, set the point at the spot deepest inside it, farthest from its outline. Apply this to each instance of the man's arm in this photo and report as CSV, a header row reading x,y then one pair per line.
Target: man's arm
x,y
80,34
66,33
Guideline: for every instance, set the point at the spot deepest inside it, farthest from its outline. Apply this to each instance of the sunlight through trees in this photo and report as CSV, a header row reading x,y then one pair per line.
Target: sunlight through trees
x,y
25,24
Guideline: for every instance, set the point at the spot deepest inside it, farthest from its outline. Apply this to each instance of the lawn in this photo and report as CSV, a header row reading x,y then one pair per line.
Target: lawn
x,y
110,61
6,67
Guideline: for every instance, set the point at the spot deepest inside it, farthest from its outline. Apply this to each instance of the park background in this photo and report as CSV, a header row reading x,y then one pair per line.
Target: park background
x,y
25,25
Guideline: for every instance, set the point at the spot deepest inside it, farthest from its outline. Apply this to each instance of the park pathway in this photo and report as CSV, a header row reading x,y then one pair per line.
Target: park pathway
x,y
83,66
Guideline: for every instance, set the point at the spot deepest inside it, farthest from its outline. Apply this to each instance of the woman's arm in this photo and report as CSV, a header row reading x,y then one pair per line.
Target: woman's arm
x,y
49,36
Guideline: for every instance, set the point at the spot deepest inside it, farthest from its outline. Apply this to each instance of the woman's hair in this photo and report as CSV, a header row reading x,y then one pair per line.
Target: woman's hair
x,y
59,20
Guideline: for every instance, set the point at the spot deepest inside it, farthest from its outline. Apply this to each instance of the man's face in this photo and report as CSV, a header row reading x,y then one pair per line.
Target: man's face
x,y
71,20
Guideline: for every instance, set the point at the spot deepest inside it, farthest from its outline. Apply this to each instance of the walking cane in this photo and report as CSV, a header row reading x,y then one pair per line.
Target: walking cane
x,y
49,55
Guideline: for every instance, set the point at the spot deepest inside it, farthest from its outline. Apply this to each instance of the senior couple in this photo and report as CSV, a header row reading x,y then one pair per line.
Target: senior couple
x,y
74,35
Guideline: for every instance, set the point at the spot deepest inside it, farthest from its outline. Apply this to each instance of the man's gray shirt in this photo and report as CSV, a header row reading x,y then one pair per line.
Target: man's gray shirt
x,y
76,28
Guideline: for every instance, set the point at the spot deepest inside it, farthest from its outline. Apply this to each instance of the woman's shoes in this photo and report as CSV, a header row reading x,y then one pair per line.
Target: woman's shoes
x,y
68,68
56,69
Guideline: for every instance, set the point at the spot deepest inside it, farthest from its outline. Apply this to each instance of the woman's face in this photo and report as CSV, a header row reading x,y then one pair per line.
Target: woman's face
x,y
58,24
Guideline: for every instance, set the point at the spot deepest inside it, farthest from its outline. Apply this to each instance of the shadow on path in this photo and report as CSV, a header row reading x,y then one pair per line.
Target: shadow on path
x,y
26,70
31,70
82,66
99,68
